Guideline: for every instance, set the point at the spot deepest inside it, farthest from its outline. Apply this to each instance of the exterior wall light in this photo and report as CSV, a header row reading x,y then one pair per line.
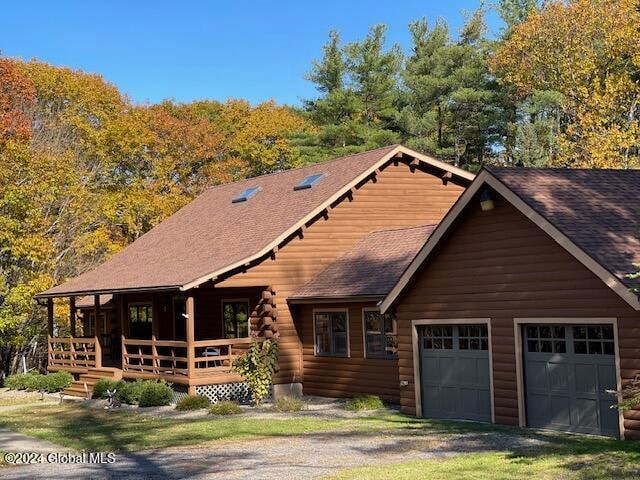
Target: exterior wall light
x,y
486,200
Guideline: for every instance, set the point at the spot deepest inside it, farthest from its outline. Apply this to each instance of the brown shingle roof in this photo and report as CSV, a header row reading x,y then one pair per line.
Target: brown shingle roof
x,y
597,209
211,235
370,268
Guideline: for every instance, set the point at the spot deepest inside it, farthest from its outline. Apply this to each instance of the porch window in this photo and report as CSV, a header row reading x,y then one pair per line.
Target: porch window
x,y
331,338
235,314
380,335
140,318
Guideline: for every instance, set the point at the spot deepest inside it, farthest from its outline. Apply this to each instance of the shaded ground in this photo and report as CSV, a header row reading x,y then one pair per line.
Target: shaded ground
x,y
306,456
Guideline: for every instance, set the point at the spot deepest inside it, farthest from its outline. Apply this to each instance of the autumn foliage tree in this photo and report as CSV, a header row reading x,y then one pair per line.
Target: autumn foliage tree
x,y
85,172
588,53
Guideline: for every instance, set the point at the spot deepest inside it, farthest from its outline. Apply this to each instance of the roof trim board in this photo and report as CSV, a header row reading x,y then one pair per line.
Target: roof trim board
x,y
340,299
327,204
486,178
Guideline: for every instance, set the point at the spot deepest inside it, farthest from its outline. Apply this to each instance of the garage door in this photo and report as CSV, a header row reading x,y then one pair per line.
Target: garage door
x,y
454,372
568,369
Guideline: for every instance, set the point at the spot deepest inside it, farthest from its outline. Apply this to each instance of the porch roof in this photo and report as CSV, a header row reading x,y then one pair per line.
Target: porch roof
x,y
213,235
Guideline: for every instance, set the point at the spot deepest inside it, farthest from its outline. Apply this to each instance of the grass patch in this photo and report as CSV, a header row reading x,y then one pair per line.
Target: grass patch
x,y
288,404
11,400
562,457
364,402
193,402
79,427
225,407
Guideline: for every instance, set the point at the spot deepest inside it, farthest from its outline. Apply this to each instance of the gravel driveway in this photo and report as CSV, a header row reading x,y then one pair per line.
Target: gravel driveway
x,y
307,456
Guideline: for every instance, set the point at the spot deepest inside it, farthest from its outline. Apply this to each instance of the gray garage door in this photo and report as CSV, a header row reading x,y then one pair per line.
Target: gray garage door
x,y
455,372
568,369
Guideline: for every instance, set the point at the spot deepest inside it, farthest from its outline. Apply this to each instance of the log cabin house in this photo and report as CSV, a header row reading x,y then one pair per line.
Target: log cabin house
x,y
179,302
502,298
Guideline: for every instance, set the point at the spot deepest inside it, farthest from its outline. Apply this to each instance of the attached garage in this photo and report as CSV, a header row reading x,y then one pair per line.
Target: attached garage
x,y
455,373
567,372
543,257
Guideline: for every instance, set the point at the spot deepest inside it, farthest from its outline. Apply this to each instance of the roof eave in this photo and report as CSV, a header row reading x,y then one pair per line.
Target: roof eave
x,y
77,293
334,299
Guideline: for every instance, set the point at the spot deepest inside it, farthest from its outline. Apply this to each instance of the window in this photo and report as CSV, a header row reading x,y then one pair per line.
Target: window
x,y
235,314
546,338
380,336
140,320
473,337
593,340
330,330
245,195
309,181
438,337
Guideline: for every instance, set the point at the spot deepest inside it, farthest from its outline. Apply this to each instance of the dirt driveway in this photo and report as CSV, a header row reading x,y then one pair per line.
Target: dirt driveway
x,y
308,456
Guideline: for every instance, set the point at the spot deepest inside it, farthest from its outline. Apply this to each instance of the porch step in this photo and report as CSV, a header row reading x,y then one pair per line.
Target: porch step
x,y
89,379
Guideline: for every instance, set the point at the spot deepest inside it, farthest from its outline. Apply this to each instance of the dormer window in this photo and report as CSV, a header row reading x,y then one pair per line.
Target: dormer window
x,y
245,195
309,181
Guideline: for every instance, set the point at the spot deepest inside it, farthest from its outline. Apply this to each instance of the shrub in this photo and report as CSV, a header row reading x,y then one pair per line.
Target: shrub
x,y
192,402
101,386
257,366
225,407
364,402
129,392
288,404
155,394
55,382
20,381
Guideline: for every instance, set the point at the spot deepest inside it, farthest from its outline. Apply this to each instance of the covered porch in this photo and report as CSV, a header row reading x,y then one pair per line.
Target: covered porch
x,y
187,338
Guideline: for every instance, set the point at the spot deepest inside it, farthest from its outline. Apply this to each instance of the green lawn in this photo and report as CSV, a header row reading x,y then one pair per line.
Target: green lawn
x,y
555,456
79,427
565,457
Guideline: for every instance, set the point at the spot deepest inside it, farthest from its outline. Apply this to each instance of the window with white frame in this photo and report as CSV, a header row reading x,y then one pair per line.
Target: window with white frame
x,y
331,337
380,335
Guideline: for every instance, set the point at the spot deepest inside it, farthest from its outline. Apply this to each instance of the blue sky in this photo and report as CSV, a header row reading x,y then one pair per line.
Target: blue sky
x,y
189,50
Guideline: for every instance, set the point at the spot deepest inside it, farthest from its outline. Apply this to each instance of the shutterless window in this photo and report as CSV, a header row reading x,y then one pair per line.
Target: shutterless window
x,y
380,335
245,195
140,320
309,181
236,319
331,334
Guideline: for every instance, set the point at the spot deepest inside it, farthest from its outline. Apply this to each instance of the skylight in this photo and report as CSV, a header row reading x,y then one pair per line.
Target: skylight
x,y
309,181
245,195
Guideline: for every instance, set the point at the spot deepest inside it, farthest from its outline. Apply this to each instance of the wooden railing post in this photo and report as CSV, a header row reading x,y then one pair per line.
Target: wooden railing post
x,y
155,362
98,352
124,352
72,352
190,331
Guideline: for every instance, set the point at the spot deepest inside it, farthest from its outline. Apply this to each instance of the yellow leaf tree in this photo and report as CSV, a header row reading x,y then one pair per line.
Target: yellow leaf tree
x,y
589,52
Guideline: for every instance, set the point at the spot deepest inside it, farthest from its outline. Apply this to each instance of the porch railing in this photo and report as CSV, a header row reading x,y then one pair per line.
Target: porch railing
x,y
178,358
74,352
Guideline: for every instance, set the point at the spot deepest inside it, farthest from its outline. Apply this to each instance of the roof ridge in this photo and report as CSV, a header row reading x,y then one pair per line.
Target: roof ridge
x,y
302,167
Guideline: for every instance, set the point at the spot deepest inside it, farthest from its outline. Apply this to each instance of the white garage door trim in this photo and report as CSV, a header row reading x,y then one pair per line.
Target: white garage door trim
x,y
517,330
416,354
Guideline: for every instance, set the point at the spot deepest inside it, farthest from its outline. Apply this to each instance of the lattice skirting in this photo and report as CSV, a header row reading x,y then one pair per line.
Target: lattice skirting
x,y
179,392
237,392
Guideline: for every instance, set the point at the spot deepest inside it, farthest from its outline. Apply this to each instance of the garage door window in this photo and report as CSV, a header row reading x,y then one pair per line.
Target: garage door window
x,y
546,339
473,337
593,340
438,338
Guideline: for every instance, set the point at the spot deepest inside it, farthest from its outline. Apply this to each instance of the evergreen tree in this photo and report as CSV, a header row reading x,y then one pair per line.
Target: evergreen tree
x,y
452,106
